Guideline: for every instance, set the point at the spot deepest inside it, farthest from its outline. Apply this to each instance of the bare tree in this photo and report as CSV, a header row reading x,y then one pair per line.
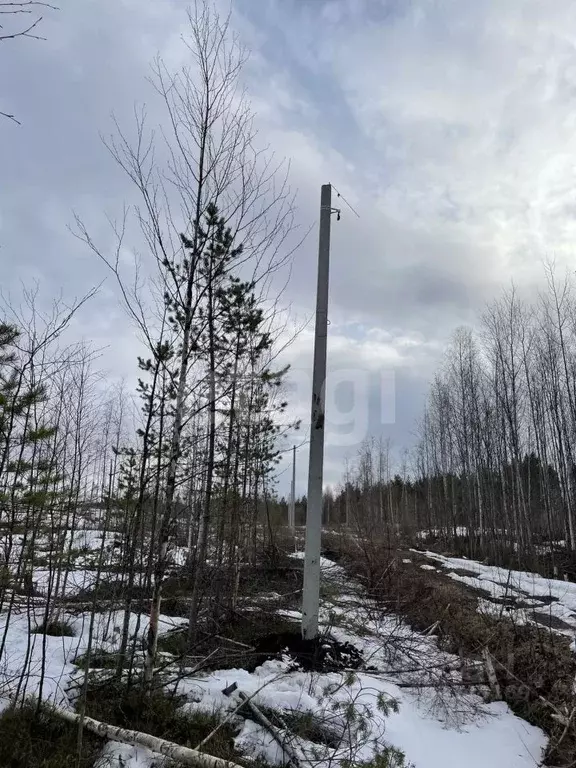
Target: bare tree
x,y
214,215
20,20
495,469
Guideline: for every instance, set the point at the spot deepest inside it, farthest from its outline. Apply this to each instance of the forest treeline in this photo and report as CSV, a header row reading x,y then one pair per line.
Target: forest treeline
x,y
493,472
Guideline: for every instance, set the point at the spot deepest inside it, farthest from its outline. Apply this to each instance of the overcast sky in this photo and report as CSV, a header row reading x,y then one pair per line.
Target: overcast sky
x,y
450,126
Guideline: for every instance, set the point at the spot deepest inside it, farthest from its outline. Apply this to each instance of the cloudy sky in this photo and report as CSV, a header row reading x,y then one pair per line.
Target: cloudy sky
x,y
449,126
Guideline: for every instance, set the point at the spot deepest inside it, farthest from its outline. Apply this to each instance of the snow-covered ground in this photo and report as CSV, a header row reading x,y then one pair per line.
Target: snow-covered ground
x,y
490,736
527,597
48,661
435,728
404,701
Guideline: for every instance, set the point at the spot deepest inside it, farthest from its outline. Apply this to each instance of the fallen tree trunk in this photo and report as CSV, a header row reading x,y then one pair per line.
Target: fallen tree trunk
x,y
261,718
182,755
491,675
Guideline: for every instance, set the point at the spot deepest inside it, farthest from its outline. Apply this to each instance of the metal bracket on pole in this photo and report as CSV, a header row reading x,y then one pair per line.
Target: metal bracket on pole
x,y
337,211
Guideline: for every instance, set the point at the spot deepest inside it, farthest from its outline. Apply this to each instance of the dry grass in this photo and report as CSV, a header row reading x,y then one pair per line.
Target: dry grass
x,y
159,714
55,629
543,666
31,739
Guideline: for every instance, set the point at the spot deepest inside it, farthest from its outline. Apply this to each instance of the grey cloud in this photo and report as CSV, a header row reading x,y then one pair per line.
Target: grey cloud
x,y
439,199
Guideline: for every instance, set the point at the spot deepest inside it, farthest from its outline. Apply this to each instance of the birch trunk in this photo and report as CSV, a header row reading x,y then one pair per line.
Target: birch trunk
x,y
183,755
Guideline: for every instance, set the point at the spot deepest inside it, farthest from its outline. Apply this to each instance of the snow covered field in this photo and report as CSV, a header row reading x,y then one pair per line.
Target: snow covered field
x,y
403,699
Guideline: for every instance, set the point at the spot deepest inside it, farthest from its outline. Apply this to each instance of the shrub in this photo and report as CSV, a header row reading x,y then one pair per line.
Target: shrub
x,y
99,659
32,738
389,757
55,629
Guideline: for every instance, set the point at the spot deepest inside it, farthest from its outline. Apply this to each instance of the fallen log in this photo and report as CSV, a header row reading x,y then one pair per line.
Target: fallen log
x,y
261,718
183,755
491,675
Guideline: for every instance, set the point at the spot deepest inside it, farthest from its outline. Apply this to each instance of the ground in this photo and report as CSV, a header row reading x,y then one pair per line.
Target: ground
x,y
402,696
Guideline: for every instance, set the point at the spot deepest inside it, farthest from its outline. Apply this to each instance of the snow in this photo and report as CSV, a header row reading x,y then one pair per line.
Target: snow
x,y
121,755
488,734
502,741
554,597
178,555
325,564
429,533
48,661
446,729
436,727
78,541
72,582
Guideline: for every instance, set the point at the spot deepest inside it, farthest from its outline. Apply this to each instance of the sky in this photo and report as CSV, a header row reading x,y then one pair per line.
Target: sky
x,y
449,127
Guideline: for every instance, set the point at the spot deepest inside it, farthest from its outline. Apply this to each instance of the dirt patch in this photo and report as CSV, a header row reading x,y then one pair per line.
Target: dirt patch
x,y
305,725
275,580
463,572
108,590
160,715
335,555
32,737
483,594
550,621
230,645
324,654
55,629
512,603
513,589
546,599
512,599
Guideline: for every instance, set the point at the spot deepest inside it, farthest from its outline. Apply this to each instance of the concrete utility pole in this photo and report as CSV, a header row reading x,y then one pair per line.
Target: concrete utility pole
x,y
311,589
292,507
